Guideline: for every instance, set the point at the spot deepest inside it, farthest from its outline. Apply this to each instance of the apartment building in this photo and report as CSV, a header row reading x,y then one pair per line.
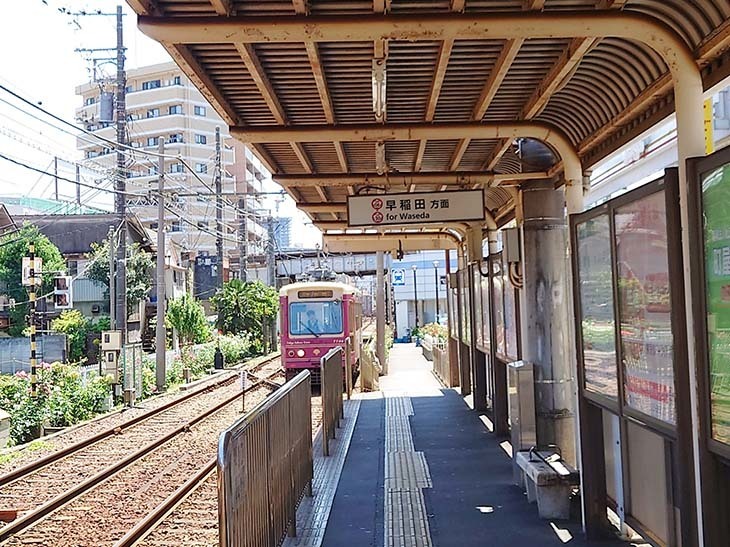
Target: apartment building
x,y
162,103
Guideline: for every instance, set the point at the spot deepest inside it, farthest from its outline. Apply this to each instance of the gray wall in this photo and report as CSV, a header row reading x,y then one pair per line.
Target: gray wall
x,y
15,352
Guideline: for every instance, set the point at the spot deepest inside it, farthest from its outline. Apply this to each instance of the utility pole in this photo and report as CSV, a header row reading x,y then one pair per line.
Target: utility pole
x,y
218,206
112,283
78,186
55,176
243,224
271,259
120,184
31,322
160,346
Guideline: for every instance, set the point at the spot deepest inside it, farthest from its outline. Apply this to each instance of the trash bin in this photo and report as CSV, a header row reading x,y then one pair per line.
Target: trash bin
x,y
218,361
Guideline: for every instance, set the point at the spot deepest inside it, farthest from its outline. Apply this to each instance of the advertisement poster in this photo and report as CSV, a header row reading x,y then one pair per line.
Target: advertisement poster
x,y
596,302
647,343
716,205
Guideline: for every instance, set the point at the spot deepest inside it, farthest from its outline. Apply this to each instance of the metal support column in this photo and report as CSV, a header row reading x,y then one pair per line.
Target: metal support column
x,y
546,341
464,352
478,361
160,337
380,310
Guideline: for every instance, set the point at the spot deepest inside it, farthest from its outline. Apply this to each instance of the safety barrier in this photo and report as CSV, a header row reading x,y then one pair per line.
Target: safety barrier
x,y
265,466
442,366
332,407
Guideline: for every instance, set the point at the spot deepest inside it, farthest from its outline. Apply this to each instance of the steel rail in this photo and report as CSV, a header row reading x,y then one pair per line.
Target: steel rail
x,y
62,499
40,463
157,516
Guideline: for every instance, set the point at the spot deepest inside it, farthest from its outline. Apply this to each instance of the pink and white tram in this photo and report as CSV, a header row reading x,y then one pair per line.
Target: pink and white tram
x,y
316,317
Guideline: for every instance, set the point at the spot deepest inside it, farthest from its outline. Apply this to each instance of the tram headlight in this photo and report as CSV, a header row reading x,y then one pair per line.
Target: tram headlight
x,y
300,353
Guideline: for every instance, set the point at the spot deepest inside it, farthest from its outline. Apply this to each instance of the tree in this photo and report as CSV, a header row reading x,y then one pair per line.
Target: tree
x,y
187,317
13,247
75,326
245,308
139,266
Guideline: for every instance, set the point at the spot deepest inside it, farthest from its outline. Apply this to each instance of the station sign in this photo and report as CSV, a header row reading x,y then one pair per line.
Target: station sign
x,y
399,278
415,208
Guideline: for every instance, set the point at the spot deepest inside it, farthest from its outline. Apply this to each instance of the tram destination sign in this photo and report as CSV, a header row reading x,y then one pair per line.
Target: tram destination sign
x,y
415,208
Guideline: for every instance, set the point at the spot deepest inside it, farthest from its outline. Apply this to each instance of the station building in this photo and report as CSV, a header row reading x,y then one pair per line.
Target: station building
x,y
620,309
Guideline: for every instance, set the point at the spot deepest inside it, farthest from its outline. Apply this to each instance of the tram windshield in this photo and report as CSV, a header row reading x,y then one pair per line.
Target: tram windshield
x,y
315,318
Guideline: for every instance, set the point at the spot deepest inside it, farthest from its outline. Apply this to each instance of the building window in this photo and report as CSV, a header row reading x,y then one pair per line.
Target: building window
x,y
153,225
152,170
176,168
89,100
129,89
175,137
199,111
175,109
153,112
201,168
201,139
151,84
177,80
153,141
176,226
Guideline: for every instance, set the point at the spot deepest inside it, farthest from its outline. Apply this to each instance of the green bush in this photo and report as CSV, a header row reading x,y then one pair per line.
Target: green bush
x,y
245,309
199,359
63,398
187,316
75,326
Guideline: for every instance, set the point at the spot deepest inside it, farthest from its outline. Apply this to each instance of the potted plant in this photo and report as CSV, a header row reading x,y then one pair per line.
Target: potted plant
x,y
415,335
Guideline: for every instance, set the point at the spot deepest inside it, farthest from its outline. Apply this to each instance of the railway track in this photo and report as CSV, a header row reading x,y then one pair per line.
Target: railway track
x,y
191,511
164,435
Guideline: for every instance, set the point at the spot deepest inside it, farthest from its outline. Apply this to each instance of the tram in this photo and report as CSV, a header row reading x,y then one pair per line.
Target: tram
x,y
316,317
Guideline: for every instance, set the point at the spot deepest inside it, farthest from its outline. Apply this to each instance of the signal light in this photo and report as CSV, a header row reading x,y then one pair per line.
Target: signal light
x,y
62,294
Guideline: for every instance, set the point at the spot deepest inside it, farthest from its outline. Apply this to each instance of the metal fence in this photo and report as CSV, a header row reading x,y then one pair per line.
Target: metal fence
x,y
442,366
265,466
330,367
132,367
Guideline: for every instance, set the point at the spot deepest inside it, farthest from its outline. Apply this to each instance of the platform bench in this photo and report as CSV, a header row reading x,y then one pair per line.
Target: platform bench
x,y
549,481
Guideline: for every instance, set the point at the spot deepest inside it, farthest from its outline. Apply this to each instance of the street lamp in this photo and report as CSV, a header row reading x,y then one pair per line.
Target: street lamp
x,y
436,287
415,291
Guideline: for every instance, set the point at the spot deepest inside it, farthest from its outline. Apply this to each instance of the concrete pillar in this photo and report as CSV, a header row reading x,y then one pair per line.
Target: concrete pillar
x,y
453,345
380,311
546,307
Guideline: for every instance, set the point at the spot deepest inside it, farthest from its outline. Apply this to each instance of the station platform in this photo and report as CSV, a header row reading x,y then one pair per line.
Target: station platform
x,y
413,465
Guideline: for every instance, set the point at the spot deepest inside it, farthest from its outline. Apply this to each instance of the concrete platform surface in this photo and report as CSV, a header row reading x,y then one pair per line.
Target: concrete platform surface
x,y
423,470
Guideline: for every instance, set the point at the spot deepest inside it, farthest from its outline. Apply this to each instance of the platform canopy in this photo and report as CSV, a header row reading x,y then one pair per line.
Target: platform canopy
x,y
341,98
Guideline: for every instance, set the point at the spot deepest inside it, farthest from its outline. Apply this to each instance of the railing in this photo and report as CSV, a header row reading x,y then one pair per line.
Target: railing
x,y
427,344
332,407
265,466
442,365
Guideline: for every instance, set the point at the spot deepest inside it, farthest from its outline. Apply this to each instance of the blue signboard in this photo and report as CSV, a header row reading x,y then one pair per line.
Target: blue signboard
x,y
399,277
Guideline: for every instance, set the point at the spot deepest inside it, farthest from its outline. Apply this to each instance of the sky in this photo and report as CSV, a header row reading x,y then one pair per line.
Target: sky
x,y
39,61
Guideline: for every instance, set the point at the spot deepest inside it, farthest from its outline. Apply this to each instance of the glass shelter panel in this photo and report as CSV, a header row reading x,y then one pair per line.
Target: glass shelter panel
x,y
644,306
716,219
498,299
478,304
466,319
595,281
510,315
486,319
